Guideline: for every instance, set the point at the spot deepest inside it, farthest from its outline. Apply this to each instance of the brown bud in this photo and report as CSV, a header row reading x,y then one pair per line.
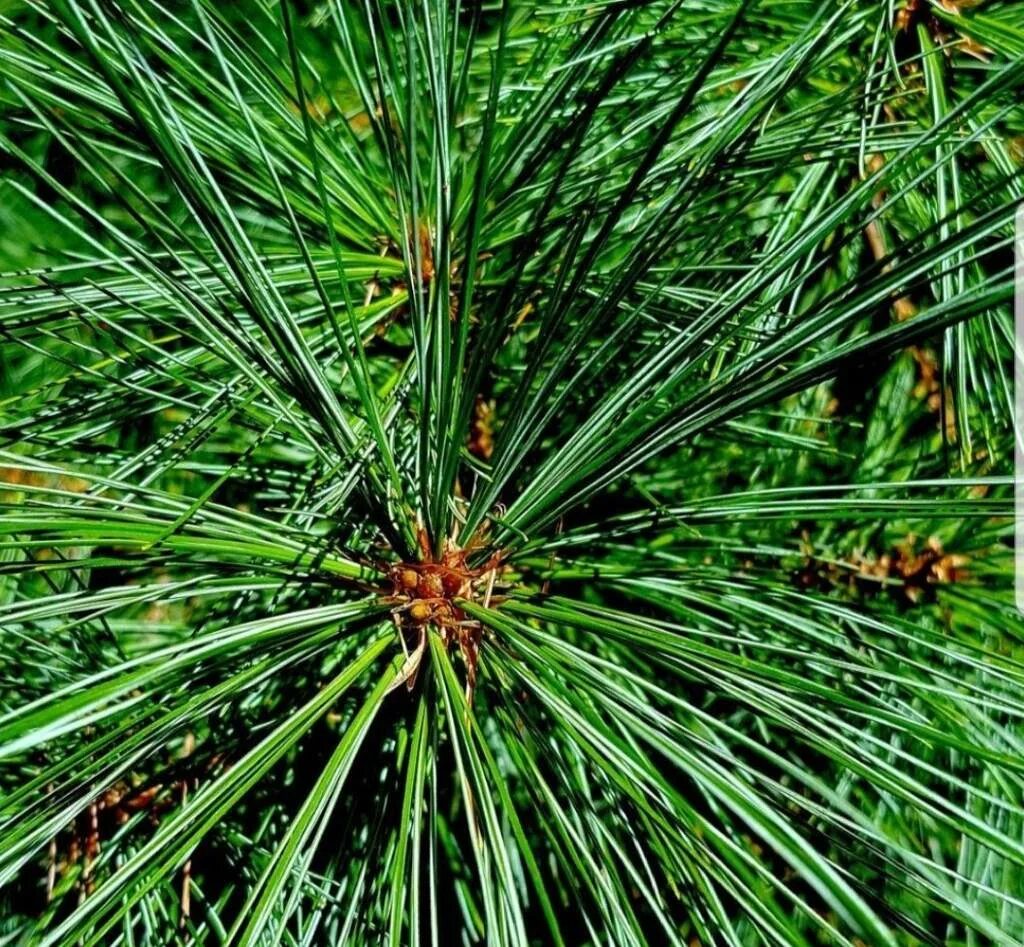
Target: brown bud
x,y
419,611
452,582
430,585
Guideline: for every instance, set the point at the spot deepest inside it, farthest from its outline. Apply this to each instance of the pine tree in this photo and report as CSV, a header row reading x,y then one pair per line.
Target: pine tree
x,y
509,473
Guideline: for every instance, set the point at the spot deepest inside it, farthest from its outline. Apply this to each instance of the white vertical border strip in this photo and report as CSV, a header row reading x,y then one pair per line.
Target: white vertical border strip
x,y
1018,417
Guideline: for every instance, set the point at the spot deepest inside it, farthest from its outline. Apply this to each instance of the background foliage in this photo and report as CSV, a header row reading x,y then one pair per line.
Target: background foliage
x,y
688,324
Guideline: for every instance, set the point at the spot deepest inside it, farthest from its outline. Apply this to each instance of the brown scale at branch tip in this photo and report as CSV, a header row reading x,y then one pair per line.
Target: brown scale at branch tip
x,y
480,442
425,594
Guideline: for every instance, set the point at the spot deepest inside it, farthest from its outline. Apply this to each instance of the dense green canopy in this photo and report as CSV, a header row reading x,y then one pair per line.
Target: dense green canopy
x,y
509,473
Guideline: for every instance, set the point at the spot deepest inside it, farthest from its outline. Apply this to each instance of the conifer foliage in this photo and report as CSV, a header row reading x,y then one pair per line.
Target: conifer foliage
x,y
509,473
